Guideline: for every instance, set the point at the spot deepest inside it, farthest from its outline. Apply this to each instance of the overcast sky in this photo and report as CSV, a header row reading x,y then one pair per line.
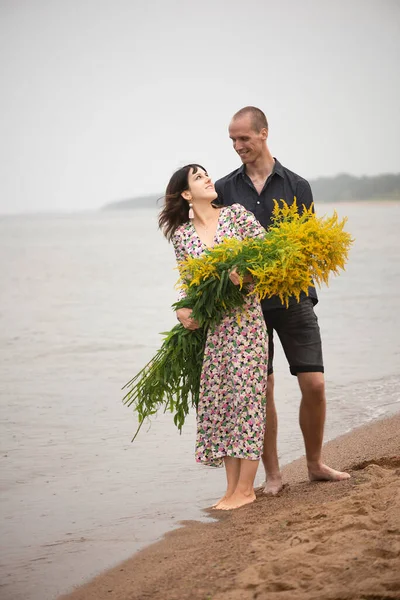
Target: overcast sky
x,y
103,100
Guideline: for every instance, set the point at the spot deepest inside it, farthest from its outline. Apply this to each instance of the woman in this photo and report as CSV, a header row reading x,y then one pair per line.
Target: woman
x,y
231,409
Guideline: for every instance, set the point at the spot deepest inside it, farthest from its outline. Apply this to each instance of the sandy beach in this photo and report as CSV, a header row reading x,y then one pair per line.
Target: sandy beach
x,y
314,541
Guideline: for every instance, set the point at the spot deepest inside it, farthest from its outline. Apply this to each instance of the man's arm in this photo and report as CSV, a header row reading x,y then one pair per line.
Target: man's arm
x,y
304,195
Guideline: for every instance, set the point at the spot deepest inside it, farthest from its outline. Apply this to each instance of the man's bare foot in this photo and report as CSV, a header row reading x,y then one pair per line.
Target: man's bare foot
x,y
235,501
321,472
273,485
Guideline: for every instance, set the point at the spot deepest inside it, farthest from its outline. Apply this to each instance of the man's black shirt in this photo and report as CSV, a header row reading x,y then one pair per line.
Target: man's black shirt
x,y
282,184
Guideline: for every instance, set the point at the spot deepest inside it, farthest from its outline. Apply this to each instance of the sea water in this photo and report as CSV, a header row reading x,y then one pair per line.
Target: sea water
x,y
83,299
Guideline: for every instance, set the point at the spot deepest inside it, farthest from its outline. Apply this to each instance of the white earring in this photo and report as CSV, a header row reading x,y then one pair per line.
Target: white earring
x,y
191,213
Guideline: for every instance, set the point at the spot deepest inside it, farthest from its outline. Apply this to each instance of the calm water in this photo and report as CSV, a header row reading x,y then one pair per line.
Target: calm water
x,y
82,301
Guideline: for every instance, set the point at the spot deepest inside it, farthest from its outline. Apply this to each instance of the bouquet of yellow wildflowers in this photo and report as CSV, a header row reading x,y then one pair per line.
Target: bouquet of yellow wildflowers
x,y
298,251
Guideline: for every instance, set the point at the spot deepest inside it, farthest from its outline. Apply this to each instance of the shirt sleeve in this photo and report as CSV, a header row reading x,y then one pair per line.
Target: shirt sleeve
x,y
304,195
246,223
181,254
219,189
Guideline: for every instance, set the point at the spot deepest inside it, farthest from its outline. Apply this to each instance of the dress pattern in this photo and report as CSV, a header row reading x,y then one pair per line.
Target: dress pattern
x,y
231,410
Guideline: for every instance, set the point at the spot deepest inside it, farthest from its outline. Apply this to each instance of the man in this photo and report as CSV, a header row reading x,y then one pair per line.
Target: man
x,y
259,180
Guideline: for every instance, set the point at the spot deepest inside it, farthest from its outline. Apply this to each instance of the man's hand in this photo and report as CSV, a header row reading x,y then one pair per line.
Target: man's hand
x,y
184,316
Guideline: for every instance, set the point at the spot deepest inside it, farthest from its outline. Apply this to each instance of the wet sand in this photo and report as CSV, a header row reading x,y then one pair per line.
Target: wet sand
x,y
315,541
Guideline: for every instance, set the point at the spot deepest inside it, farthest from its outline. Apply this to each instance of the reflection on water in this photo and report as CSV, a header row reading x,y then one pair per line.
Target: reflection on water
x,y
82,302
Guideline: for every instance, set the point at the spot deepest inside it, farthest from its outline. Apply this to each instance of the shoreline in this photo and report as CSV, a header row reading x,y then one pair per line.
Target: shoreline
x,y
315,540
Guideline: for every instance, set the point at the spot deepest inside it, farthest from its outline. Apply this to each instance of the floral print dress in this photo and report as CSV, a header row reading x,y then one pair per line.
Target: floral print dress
x,y
231,409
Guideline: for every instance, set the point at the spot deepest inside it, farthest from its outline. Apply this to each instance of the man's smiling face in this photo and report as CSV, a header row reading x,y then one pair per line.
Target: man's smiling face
x,y
247,142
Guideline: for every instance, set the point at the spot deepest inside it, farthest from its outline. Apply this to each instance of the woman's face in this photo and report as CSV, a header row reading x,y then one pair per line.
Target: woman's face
x,y
201,187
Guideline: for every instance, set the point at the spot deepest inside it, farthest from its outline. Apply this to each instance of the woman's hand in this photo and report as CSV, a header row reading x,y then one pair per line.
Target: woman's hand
x,y
184,316
234,277
237,280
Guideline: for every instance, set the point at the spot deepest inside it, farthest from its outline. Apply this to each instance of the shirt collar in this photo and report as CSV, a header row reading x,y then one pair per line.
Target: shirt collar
x,y
278,169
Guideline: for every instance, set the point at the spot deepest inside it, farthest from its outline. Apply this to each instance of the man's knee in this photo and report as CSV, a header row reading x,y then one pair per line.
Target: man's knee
x,y
312,387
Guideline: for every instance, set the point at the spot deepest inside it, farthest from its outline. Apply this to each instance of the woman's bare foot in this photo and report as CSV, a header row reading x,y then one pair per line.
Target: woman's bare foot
x,y
273,485
321,472
216,505
235,501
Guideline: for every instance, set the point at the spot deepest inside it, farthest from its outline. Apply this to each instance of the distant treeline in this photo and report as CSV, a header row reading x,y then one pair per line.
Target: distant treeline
x,y
345,188
341,188
139,202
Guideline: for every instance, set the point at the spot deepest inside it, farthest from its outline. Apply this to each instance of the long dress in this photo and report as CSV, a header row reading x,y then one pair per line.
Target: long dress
x,y
232,399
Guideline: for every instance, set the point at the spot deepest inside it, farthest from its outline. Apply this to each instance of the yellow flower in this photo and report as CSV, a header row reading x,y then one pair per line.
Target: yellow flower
x,y
297,250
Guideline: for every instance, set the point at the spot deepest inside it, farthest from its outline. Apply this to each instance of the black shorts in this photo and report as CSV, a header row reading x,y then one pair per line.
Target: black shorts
x,y
298,331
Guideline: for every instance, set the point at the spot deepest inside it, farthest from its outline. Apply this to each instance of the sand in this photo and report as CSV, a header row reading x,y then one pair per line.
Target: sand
x,y
315,541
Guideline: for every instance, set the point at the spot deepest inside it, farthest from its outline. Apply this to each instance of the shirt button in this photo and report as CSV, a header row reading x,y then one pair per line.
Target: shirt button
x,y
258,202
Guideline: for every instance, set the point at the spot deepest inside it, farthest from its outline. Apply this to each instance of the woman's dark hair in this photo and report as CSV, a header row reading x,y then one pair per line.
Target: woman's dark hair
x,y
176,209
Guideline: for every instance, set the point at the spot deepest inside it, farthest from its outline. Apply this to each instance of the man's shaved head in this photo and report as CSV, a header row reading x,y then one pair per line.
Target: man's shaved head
x,y
258,118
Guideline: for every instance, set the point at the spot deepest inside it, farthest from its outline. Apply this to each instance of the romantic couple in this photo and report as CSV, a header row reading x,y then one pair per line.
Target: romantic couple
x,y
236,418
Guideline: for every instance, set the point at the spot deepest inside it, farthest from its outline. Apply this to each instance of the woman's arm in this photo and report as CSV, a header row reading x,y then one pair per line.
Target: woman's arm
x,y
246,223
247,226
182,314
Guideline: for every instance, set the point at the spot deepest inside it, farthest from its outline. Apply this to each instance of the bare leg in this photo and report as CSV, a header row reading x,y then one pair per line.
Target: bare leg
x,y
232,470
244,492
312,421
273,478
